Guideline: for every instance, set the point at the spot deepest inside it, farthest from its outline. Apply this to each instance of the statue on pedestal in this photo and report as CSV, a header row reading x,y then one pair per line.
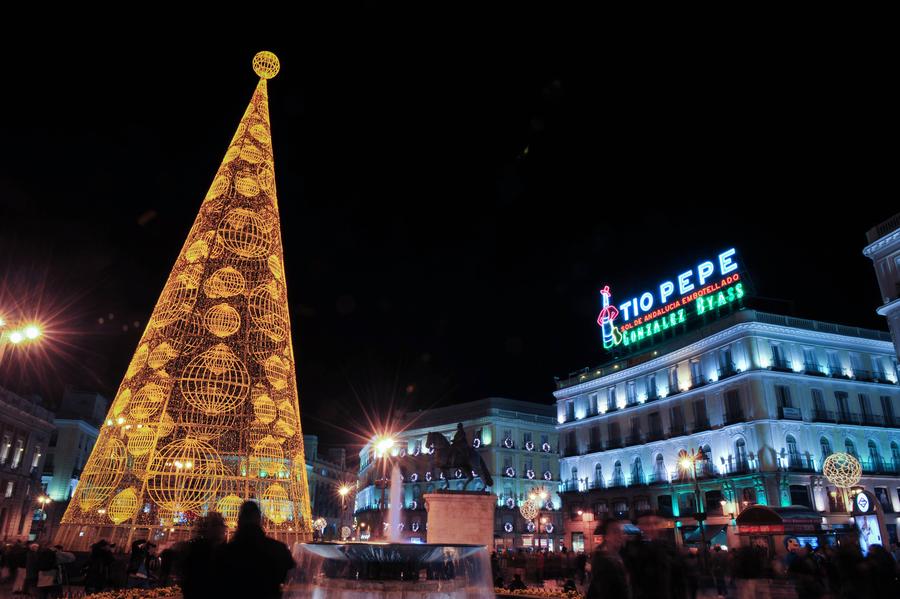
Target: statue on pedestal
x,y
457,455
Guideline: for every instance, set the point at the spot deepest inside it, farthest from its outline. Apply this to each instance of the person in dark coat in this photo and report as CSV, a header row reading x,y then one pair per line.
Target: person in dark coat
x,y
608,575
96,575
197,560
251,564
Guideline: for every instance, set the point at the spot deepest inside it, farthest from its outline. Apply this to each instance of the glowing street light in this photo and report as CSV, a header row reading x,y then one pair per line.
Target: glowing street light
x,y
384,443
32,331
16,337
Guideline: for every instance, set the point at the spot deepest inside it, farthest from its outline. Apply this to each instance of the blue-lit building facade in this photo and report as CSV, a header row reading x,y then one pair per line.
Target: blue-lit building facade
x,y
517,440
766,398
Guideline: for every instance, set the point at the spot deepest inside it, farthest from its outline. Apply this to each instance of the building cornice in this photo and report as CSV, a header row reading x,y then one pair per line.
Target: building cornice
x,y
890,239
743,329
889,307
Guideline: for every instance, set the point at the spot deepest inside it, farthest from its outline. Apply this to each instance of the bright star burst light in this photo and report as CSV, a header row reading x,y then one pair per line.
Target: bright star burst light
x,y
207,414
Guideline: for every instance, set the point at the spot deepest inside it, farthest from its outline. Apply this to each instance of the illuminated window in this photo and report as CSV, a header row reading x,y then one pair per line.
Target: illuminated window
x,y
632,394
611,399
887,409
783,395
865,407
37,456
673,379
651,386
825,444
5,448
10,486
850,448
818,403
17,454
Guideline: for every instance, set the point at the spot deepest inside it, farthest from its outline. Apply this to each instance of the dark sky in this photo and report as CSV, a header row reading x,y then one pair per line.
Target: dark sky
x,y
450,205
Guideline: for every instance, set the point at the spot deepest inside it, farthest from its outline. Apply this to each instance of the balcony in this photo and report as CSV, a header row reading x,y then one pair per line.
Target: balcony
x,y
788,413
797,462
735,417
864,375
614,444
740,466
657,478
697,380
824,416
677,430
569,452
880,466
617,482
655,435
812,369
634,439
849,418
726,371
700,426
781,365
595,447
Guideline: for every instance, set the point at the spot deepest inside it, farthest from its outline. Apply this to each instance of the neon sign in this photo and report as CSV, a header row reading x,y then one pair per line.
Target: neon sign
x,y
640,321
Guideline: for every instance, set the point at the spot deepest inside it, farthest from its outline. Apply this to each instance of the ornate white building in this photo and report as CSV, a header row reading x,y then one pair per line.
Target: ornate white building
x,y
765,397
884,251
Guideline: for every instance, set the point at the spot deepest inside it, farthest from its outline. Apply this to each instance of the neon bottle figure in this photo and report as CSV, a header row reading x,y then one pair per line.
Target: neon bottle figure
x,y
611,334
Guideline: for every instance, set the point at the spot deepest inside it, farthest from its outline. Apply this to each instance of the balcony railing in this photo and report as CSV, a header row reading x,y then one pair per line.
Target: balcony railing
x,y
812,368
701,425
799,462
880,466
735,417
697,380
824,416
634,439
781,365
614,444
595,447
569,452
655,435
726,371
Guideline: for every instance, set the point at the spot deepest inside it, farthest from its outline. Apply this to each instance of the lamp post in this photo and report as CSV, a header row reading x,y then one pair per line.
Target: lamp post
x,y
538,496
43,500
14,335
343,491
688,463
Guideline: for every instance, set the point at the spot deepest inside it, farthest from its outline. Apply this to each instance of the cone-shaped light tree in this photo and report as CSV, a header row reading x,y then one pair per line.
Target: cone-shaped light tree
x,y
207,414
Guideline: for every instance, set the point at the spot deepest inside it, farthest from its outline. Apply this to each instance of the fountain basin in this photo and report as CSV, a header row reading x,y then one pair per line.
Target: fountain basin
x,y
391,570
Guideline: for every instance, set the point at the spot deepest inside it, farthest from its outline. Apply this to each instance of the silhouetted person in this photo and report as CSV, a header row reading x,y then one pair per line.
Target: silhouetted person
x,y
97,570
517,584
880,573
251,564
608,576
197,566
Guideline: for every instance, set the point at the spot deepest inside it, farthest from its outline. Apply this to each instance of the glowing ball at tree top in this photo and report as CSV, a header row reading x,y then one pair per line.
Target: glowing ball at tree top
x,y
265,64
842,470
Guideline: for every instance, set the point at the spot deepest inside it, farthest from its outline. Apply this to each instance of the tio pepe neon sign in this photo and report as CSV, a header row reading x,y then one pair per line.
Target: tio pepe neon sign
x,y
640,320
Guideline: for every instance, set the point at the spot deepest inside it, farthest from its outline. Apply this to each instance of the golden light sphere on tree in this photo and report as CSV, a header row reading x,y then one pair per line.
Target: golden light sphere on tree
x,y
264,408
215,381
222,320
147,401
101,475
166,426
275,503
123,506
225,282
137,361
265,64
121,402
140,440
245,233
184,475
275,267
267,458
230,506
160,355
269,310
177,299
842,470
278,370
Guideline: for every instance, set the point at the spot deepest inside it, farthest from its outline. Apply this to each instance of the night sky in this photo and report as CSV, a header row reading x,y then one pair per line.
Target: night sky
x,y
448,216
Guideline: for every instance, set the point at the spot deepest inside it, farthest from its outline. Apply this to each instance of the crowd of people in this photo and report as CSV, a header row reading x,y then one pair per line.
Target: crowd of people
x,y
644,563
249,565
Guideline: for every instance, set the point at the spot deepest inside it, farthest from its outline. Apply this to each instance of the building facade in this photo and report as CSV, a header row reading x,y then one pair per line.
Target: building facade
x,y
327,472
517,441
765,397
25,429
884,251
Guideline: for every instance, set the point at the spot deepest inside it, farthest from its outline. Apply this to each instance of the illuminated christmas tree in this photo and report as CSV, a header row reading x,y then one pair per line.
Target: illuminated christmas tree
x,y
207,414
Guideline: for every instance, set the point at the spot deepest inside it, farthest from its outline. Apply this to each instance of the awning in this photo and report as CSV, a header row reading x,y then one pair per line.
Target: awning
x,y
762,519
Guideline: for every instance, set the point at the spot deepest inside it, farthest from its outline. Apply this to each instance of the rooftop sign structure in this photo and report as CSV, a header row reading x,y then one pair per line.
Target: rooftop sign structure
x,y
701,290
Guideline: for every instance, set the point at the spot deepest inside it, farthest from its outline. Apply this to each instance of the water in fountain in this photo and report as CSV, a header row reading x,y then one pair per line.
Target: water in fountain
x,y
393,569
395,506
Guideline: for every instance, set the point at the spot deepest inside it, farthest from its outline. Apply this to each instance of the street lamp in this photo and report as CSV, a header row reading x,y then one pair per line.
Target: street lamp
x,y
343,491
688,463
383,444
43,500
17,334
538,497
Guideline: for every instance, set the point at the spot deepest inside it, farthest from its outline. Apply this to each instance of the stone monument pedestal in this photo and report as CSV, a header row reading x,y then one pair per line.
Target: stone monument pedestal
x,y
465,517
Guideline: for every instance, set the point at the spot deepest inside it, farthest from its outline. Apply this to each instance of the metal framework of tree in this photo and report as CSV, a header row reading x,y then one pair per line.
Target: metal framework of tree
x,y
207,413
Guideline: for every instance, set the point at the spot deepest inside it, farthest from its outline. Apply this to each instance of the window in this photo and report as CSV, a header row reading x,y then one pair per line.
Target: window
x,y
632,394
611,398
618,479
783,395
575,474
733,411
595,437
635,428
874,456
5,448
865,407
37,456
659,469
740,455
700,419
654,423
615,435
850,448
676,415
526,438
778,356
637,472
570,410
593,404
843,409
10,486
696,372
800,495
54,436
726,361
895,454
598,474
825,444
881,493
545,439
793,452
887,409
834,362
818,403
651,386
17,454
811,363
707,466
673,379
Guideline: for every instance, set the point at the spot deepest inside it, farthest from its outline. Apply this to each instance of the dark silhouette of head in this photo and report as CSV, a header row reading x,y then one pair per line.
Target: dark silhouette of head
x,y
249,516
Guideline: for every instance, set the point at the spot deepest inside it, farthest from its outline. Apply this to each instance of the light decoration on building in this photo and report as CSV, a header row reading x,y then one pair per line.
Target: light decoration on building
x,y
529,474
510,502
207,414
428,476
639,320
510,472
530,526
529,446
508,527
508,443
320,524
476,442
413,477
548,475
528,510
545,447
548,528
415,526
